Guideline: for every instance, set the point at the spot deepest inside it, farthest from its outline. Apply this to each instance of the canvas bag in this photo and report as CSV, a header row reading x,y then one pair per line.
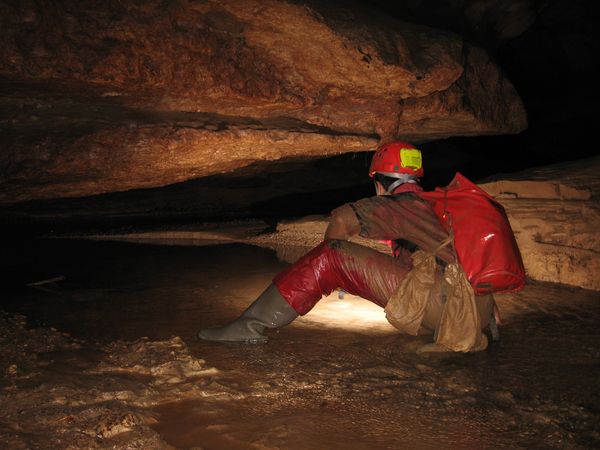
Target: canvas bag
x,y
459,328
406,307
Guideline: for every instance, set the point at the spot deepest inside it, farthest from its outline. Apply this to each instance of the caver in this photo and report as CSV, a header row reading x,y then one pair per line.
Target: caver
x,y
451,249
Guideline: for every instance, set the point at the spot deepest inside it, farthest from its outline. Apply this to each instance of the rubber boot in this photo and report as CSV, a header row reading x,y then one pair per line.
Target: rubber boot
x,y
269,310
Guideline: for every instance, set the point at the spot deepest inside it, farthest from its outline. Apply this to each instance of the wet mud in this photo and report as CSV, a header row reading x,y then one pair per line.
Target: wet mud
x,y
105,356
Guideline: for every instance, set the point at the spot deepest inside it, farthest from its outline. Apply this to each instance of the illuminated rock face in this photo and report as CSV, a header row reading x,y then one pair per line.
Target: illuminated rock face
x,y
554,212
109,96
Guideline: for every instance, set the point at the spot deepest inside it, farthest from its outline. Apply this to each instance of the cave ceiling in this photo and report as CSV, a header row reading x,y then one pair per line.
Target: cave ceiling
x,y
99,97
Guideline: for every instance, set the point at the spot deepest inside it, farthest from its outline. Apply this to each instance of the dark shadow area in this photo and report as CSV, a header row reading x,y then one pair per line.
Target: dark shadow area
x,y
104,291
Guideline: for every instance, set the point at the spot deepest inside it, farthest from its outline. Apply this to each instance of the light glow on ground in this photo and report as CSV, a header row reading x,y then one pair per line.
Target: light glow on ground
x,y
351,312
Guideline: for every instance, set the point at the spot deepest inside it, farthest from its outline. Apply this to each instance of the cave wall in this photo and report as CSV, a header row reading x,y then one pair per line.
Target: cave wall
x,y
554,212
100,97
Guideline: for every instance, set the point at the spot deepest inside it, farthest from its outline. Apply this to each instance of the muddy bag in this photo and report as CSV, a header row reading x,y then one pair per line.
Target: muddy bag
x,y
459,329
483,239
406,307
460,325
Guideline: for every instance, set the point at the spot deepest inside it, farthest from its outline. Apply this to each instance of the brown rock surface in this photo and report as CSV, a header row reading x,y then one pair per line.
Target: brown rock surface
x,y
111,96
555,214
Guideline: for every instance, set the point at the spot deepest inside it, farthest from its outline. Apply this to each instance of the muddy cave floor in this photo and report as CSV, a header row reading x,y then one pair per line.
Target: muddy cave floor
x,y
106,357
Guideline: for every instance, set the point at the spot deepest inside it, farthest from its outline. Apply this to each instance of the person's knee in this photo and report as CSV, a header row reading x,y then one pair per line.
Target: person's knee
x,y
336,244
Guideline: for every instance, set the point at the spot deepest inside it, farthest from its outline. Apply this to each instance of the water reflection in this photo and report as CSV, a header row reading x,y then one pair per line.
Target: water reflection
x,y
339,377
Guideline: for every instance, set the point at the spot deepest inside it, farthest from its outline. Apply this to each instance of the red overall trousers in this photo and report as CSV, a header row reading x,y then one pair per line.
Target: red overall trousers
x,y
335,264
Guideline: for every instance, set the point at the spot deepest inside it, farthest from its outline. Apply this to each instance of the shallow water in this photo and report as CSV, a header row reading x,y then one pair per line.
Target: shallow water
x,y
339,377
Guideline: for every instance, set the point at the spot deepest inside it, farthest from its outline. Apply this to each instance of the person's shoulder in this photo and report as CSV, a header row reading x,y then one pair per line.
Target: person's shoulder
x,y
409,200
410,194
375,200
366,205
407,196
388,199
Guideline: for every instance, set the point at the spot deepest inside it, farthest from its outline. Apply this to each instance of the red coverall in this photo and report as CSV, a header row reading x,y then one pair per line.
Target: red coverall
x,y
360,270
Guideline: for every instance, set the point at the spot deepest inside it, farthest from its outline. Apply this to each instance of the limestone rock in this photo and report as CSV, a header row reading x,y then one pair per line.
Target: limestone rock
x,y
555,214
108,96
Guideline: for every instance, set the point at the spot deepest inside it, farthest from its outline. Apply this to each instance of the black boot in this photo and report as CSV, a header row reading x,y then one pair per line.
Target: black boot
x,y
269,310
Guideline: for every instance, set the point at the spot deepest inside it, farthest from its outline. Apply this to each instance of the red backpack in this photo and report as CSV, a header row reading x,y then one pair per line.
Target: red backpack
x,y
483,239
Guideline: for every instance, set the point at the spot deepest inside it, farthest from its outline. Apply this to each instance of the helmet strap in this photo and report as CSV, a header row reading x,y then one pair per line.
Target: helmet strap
x,y
402,178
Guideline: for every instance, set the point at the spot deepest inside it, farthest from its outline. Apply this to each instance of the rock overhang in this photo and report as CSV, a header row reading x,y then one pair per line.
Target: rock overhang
x,y
110,97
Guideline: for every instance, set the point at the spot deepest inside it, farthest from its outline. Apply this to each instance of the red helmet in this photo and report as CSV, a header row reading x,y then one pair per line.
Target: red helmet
x,y
397,157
